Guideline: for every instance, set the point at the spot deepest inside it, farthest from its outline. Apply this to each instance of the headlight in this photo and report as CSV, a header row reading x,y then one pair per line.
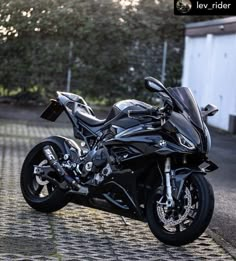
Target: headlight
x,y
185,142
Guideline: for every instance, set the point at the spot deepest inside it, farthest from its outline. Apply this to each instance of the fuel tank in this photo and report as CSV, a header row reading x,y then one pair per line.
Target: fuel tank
x,y
119,114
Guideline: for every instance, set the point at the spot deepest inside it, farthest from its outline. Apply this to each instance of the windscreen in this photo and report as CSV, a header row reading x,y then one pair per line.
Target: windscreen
x,y
185,97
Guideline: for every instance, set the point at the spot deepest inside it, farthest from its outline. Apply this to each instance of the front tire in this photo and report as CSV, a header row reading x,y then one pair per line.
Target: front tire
x,y
45,198
197,219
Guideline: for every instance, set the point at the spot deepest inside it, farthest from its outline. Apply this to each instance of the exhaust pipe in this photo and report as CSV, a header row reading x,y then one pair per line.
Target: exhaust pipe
x,y
52,158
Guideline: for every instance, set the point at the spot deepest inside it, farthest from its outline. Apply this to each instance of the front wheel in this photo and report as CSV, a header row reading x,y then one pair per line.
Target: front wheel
x,y
188,219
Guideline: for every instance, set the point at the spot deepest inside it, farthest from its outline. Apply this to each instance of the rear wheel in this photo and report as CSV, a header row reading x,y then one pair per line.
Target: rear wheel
x,y
40,194
190,216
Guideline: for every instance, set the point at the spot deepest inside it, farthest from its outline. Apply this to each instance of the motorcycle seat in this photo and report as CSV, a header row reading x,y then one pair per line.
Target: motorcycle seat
x,y
89,119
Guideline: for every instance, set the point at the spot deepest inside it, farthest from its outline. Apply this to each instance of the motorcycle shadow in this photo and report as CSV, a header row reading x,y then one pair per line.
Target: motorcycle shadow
x,y
84,233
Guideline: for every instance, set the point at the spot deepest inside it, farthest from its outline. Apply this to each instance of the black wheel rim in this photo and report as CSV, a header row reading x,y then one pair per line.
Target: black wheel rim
x,y
34,189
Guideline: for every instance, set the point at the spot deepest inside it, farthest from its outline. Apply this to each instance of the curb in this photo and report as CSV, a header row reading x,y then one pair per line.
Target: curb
x,y
224,244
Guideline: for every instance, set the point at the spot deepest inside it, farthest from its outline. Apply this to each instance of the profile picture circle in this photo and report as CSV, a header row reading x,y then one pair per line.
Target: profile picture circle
x,y
183,6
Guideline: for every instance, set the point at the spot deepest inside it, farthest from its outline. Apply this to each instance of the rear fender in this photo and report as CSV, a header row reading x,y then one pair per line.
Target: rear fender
x,y
64,144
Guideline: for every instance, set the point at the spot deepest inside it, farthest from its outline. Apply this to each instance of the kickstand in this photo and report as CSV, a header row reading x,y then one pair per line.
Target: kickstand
x,y
124,220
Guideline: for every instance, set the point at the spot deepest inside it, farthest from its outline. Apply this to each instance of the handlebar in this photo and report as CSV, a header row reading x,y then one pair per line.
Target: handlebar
x,y
154,112
147,112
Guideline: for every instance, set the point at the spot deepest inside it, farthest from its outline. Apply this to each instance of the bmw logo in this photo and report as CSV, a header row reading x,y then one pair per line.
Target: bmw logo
x,y
162,143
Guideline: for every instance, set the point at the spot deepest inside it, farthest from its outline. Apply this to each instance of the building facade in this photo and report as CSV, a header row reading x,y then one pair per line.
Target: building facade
x,y
209,67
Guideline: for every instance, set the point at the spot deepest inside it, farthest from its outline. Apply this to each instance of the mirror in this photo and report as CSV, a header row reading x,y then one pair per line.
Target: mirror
x,y
209,110
154,85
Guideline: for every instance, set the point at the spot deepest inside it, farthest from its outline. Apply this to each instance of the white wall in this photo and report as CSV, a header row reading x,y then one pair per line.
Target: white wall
x,y
210,71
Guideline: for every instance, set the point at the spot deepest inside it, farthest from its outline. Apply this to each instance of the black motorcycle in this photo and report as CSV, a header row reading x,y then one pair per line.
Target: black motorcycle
x,y
143,162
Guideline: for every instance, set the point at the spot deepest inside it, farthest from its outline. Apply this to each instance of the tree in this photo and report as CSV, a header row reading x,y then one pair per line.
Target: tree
x,y
116,44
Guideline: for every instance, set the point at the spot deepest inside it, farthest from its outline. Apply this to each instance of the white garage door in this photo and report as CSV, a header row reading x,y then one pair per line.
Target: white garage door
x,y
195,63
222,79
210,71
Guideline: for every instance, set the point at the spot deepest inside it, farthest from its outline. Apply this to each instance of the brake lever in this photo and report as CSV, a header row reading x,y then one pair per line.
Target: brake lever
x,y
154,114
158,116
151,116
166,110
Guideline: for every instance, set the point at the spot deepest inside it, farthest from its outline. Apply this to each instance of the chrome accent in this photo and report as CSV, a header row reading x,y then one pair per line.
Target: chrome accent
x,y
40,170
78,168
67,165
66,156
107,170
98,178
37,170
40,181
125,156
140,128
170,201
163,121
82,144
117,129
129,131
162,143
88,166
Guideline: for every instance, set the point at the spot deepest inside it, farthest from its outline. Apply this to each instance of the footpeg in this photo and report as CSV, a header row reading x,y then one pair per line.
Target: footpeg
x,y
70,181
83,190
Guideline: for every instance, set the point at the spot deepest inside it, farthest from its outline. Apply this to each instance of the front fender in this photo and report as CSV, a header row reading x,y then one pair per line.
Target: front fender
x,y
180,177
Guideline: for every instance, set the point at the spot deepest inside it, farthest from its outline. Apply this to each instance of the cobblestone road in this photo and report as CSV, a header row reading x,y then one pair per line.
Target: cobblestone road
x,y
74,233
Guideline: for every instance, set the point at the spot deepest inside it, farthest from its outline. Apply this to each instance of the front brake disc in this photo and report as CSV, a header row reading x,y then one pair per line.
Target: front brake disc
x,y
167,219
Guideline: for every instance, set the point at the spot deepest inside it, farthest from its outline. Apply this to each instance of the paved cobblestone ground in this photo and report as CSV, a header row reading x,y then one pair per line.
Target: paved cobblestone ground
x,y
74,233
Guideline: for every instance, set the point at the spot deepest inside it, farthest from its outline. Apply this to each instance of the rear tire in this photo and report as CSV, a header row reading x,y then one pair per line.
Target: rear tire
x,y
56,198
192,229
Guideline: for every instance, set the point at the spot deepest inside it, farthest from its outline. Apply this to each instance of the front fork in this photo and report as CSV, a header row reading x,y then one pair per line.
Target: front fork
x,y
170,183
174,181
